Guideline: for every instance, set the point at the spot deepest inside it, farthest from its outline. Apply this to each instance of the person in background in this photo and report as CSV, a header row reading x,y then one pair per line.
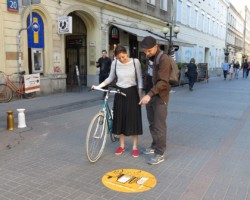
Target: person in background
x,y
245,66
156,100
127,119
191,73
236,69
104,64
231,70
225,68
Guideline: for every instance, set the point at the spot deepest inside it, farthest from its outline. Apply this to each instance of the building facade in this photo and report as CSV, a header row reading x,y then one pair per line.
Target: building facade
x,y
235,35
32,40
202,23
246,45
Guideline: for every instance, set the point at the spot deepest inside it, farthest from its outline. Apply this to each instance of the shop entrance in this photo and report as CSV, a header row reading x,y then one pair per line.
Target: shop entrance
x,y
76,54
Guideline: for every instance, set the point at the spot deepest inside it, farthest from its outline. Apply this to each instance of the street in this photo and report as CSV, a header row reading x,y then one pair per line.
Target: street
x,y
207,158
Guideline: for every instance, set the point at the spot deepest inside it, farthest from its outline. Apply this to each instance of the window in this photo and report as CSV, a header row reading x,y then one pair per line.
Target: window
x,y
208,24
188,18
151,2
202,22
179,10
196,18
164,5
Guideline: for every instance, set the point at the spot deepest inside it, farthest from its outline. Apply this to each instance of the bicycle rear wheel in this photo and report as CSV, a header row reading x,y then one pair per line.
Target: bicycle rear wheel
x,y
6,93
96,137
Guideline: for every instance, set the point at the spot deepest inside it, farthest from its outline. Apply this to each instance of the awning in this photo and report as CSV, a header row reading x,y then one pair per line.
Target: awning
x,y
182,43
160,39
141,33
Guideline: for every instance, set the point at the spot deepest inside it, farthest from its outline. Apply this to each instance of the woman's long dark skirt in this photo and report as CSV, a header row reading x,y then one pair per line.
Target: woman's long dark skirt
x,y
127,112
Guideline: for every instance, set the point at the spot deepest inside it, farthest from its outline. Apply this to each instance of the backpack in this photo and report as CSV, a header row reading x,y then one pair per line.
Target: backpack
x,y
175,72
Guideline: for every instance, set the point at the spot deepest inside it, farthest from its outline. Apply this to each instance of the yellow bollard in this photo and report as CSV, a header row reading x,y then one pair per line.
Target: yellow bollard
x,y
10,121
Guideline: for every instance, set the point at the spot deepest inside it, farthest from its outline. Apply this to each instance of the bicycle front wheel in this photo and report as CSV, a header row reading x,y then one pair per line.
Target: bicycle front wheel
x,y
6,93
96,137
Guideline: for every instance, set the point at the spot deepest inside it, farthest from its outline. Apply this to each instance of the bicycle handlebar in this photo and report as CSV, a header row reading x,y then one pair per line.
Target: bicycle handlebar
x,y
110,91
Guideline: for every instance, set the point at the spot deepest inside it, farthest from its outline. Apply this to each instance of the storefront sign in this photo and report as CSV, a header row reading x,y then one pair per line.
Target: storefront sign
x,y
36,32
64,24
32,82
12,5
129,180
91,43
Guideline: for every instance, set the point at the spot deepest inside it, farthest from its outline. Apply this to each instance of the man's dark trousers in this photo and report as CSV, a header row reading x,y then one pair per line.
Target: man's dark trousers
x,y
157,115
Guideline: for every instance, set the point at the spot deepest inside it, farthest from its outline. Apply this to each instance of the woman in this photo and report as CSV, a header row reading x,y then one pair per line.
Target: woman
x,y
127,111
236,69
192,73
231,70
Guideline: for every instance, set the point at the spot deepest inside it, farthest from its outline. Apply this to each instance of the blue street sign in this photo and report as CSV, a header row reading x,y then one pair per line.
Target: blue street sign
x,y
12,5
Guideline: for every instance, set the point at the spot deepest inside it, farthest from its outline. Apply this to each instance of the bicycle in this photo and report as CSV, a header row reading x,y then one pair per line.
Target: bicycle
x,y
7,88
100,125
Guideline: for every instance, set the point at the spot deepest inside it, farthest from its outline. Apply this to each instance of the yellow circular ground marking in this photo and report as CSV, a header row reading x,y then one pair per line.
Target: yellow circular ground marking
x,y
129,180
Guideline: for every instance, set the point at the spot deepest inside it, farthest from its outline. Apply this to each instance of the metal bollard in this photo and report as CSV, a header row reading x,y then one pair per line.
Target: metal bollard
x,y
21,118
10,120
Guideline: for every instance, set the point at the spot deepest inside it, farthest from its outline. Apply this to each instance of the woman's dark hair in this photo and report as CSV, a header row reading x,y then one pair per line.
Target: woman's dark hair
x,y
120,49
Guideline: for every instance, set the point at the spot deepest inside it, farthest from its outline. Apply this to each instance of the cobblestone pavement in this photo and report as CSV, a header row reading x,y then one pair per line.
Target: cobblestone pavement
x,y
207,158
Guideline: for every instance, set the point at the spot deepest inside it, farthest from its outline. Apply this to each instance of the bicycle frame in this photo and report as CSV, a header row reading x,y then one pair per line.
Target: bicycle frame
x,y
107,113
18,89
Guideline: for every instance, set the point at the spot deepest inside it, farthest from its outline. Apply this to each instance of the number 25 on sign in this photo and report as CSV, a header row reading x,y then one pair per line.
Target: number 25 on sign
x,y
12,5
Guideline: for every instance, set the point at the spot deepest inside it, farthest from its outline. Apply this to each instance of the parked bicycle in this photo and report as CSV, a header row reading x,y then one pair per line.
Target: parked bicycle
x,y
8,87
99,127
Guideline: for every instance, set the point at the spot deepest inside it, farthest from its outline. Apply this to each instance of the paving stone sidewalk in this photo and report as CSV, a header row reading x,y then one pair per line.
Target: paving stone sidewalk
x,y
208,152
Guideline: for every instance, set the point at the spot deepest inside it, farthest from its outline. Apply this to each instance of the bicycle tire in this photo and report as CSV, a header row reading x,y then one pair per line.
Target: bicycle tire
x,y
96,137
29,95
6,93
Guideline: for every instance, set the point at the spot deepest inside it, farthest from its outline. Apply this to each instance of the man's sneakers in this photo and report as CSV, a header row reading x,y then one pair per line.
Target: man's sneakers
x,y
156,159
148,151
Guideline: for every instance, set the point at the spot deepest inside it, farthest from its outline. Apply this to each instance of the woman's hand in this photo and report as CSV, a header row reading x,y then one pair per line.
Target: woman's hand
x,y
93,87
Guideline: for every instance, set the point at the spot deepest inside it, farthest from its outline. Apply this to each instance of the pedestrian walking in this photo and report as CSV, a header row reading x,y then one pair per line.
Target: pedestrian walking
x,y
156,100
104,64
231,70
127,120
236,70
191,73
225,68
245,68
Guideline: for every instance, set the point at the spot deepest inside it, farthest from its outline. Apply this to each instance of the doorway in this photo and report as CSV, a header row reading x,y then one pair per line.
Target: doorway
x,y
76,54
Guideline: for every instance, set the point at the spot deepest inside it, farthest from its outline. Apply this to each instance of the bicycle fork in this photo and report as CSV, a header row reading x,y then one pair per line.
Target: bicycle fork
x,y
101,123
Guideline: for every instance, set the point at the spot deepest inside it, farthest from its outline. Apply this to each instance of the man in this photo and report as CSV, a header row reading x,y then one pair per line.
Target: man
x,y
104,64
225,68
157,100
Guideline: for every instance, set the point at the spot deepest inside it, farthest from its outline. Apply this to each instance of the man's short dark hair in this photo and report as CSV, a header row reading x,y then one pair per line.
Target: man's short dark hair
x,y
148,42
104,51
